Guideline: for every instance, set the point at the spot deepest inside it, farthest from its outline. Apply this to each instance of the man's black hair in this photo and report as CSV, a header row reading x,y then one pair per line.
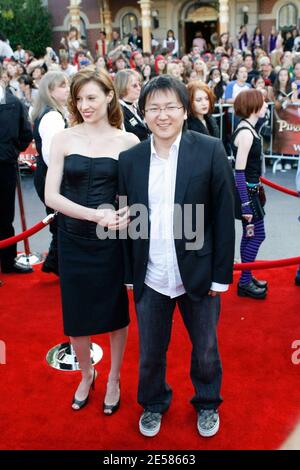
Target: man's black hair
x,y
164,83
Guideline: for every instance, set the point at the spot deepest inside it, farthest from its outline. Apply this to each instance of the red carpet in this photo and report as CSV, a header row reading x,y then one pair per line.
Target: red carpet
x,y
260,387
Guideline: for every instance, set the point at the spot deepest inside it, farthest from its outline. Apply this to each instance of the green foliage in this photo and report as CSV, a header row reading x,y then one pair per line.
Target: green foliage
x,y
26,22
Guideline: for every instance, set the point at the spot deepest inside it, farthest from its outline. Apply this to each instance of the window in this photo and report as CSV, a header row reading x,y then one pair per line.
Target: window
x,y
128,22
287,16
83,31
198,4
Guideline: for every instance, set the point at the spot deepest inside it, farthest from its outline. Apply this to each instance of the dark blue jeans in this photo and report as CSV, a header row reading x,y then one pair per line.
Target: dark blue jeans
x,y
155,315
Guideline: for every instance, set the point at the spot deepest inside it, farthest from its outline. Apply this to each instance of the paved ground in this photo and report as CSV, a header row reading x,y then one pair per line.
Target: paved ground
x,y
282,226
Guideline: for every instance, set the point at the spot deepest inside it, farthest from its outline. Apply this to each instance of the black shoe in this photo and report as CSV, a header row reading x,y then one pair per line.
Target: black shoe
x,y
82,403
18,269
251,290
297,278
49,268
259,283
110,409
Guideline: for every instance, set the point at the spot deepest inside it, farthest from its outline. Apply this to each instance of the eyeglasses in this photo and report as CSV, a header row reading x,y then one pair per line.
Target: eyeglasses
x,y
169,110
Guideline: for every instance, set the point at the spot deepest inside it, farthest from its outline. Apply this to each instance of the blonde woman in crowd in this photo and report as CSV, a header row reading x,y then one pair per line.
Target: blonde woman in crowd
x,y
49,118
128,87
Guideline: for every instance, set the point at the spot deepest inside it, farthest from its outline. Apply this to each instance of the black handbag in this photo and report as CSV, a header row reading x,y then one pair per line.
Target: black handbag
x,y
262,195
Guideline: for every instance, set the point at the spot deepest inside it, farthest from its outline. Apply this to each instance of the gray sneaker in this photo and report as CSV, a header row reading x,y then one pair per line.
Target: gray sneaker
x,y
150,423
208,422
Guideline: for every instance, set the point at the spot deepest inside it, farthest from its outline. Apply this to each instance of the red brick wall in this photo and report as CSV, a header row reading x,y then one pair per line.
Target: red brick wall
x,y
91,9
265,26
58,10
116,5
265,6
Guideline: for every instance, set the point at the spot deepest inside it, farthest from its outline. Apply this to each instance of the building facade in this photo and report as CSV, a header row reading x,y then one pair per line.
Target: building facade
x,y
184,17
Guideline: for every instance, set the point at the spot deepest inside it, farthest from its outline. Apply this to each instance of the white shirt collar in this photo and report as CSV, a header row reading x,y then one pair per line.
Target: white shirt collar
x,y
174,146
2,92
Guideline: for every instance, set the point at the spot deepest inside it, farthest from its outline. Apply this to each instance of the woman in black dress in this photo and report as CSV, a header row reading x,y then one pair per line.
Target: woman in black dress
x,y
82,186
201,105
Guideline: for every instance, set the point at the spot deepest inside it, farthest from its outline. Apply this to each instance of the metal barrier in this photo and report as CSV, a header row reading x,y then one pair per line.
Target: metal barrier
x,y
27,258
226,117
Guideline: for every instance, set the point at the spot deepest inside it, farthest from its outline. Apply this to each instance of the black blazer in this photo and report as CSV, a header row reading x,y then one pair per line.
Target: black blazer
x,y
212,129
15,129
134,125
204,176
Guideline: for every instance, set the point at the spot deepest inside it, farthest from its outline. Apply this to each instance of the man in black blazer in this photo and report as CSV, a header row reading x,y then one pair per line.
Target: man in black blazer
x,y
15,136
184,253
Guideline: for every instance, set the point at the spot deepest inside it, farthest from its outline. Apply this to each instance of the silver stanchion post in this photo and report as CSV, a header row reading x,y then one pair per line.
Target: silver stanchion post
x,y
27,258
63,357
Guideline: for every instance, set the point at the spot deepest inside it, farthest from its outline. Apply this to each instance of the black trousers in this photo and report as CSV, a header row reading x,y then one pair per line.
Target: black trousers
x,y
155,316
8,182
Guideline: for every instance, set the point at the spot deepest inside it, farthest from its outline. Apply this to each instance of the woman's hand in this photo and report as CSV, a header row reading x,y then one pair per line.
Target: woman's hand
x,y
114,220
248,217
122,219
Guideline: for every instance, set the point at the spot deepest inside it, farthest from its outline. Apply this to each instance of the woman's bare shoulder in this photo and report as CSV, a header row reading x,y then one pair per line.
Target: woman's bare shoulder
x,y
74,130
128,139
245,136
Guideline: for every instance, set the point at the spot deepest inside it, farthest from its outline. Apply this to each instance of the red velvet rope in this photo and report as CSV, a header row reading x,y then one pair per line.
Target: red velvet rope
x,y
291,192
31,231
277,263
237,266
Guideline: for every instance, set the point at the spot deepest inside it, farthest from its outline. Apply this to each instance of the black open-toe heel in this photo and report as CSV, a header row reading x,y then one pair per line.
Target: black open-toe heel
x,y
82,403
110,409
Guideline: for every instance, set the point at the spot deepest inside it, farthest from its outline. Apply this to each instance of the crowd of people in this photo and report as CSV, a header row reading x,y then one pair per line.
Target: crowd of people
x,y
271,65
171,152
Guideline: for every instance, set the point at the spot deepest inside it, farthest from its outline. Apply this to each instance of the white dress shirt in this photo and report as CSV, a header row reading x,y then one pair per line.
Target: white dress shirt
x,y
50,124
162,273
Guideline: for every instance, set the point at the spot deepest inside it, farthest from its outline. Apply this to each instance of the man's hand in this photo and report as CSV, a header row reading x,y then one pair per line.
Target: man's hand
x,y
213,293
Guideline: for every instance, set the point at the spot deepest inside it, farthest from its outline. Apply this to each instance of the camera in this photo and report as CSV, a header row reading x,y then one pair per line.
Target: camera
x,y
250,230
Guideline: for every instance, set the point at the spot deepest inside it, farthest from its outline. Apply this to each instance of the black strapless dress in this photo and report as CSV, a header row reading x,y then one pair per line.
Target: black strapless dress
x,y
94,298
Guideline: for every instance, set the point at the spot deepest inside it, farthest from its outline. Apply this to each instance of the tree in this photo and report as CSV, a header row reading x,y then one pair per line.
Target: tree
x,y
26,22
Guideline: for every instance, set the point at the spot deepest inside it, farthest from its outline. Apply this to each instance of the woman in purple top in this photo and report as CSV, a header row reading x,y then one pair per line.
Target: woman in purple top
x,y
272,40
257,39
